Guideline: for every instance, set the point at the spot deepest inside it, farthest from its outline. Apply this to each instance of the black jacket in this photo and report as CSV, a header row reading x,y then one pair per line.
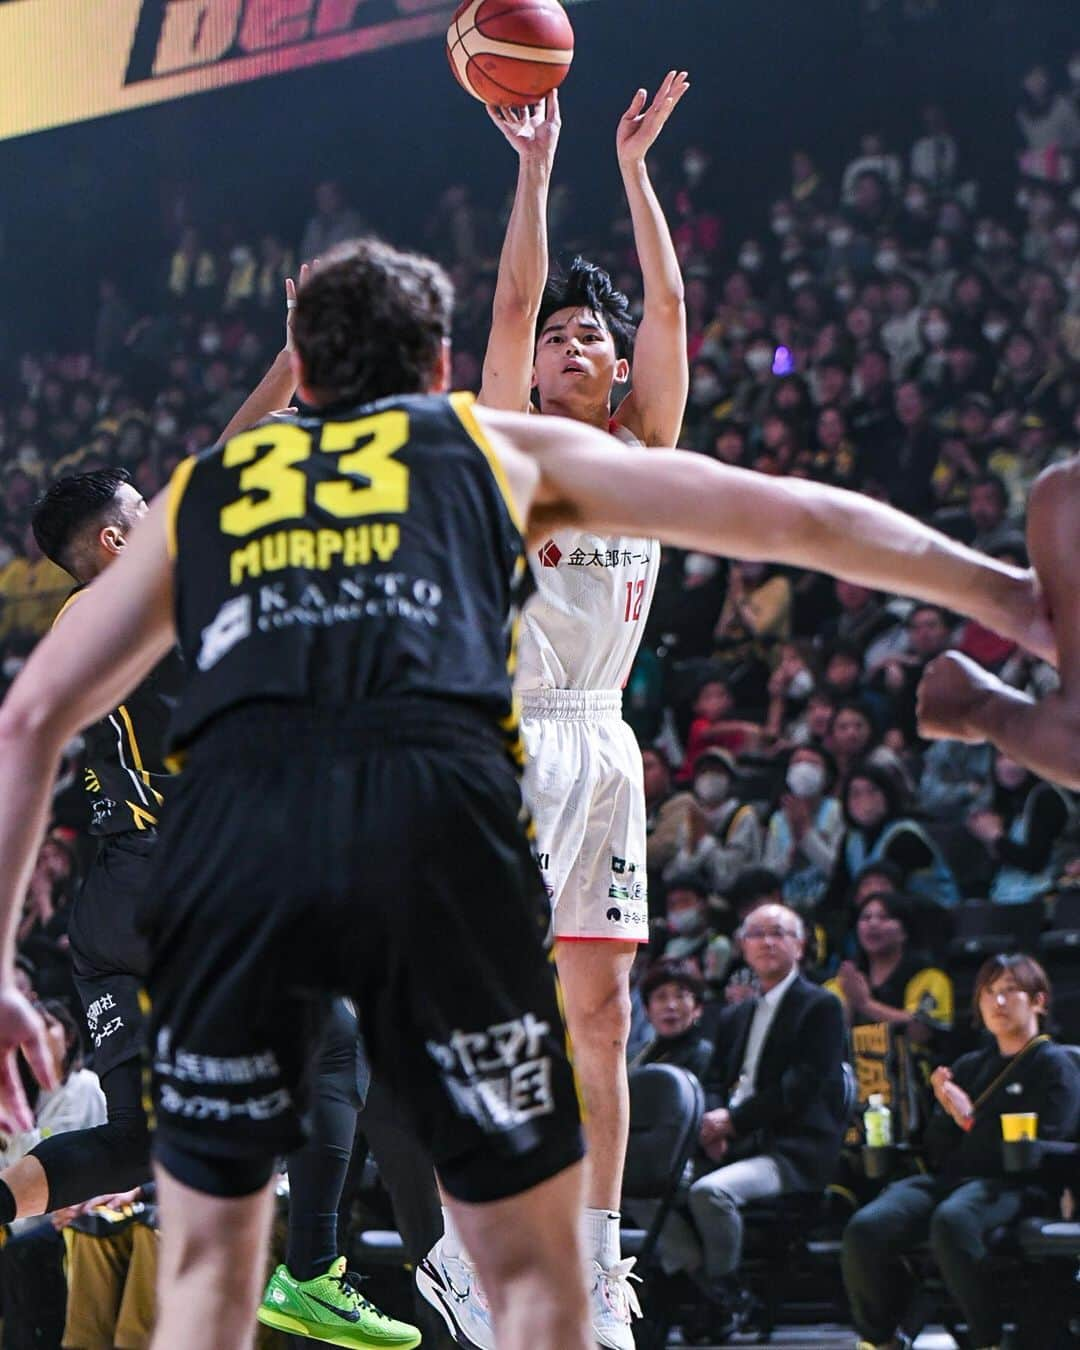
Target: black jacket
x,y
1045,1081
796,1112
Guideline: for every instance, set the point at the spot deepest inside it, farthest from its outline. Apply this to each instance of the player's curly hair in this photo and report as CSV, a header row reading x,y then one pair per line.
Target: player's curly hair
x,y
370,323
587,286
62,514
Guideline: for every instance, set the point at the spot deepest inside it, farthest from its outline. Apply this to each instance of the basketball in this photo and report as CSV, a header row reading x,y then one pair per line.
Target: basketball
x,y
510,52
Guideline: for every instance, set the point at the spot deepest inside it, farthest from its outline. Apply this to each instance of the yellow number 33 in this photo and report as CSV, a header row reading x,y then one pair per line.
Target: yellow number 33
x,y
277,490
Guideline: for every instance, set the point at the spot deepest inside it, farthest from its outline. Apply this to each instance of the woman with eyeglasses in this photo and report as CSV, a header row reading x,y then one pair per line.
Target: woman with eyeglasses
x,y
966,1192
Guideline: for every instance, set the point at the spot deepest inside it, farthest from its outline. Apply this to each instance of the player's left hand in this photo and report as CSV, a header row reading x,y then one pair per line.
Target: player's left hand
x,y
639,126
951,688
21,1029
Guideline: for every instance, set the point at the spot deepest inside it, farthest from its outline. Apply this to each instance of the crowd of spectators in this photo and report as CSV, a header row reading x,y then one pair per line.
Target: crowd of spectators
x,y
884,330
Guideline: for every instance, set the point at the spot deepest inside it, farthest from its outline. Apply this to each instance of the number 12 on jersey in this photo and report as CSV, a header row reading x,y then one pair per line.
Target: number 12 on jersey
x,y
635,595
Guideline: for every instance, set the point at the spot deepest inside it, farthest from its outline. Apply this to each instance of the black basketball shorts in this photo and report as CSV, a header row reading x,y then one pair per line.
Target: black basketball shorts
x,y
379,853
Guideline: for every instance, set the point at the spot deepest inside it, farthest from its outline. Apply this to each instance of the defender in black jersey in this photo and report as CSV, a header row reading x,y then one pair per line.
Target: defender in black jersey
x,y
348,818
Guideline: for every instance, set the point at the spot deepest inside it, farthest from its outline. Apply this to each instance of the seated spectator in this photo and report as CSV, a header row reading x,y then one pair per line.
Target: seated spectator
x,y
714,726
1020,829
928,633
955,779
878,828
674,995
863,617
775,1092
756,614
790,685
719,835
851,738
662,817
686,909
111,1247
804,832
988,513
899,1007
814,726
77,1103
966,1192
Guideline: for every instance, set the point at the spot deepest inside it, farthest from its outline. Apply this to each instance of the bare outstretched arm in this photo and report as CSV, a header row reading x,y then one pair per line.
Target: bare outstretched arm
x,y
958,700
654,409
523,264
572,475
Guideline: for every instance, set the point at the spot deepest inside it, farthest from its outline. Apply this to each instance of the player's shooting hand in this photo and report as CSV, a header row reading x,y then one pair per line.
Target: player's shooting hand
x,y
532,131
951,689
639,126
291,288
21,1029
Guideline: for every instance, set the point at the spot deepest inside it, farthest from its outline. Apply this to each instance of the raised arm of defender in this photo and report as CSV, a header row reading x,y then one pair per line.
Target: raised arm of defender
x,y
570,474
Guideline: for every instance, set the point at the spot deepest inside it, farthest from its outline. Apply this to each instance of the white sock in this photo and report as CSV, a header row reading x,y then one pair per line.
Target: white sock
x,y
452,1245
602,1237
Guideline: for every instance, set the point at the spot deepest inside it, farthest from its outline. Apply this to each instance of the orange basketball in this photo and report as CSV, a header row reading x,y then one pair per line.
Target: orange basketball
x,y
510,52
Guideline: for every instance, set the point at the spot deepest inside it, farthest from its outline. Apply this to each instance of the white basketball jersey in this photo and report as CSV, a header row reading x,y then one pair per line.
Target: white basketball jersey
x,y
582,628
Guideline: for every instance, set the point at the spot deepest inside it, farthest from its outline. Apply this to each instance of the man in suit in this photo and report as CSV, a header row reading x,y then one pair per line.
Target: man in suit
x,y
775,1090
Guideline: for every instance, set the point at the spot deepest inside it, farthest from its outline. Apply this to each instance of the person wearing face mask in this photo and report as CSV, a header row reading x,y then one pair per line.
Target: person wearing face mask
x,y
914,224
804,832
686,920
1020,829
720,835
930,364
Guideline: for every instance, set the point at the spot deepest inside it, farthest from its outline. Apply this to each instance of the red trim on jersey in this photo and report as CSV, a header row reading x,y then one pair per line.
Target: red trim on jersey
x,y
560,938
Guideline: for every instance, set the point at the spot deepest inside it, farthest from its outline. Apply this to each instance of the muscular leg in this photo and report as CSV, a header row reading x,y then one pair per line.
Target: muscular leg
x,y
210,1265
527,1251
595,979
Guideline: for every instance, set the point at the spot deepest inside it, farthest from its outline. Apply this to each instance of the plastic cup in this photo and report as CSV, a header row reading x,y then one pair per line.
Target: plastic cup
x,y
1017,1125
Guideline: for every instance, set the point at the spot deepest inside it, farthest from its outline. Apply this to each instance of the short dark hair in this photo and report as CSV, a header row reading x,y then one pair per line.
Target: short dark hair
x,y
683,973
1024,969
370,323
587,286
58,1010
995,481
63,513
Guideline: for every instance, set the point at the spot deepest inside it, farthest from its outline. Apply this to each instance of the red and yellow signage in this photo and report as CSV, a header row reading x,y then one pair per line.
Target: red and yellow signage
x,y
67,60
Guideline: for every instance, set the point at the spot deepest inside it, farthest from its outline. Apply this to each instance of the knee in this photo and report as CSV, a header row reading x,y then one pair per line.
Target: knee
x,y
950,1230
706,1198
862,1237
600,1015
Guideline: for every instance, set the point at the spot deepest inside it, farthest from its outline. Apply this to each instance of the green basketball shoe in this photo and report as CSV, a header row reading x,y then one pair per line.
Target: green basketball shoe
x,y
331,1309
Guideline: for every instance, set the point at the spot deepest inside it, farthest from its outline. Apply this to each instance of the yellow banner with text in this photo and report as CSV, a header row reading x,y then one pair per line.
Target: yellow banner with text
x,y
68,60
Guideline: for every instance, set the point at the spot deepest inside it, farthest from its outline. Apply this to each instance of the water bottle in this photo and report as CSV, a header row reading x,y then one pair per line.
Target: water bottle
x,y
878,1122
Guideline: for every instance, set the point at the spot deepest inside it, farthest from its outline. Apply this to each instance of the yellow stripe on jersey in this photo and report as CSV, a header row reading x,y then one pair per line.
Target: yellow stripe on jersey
x,y
66,606
176,488
462,404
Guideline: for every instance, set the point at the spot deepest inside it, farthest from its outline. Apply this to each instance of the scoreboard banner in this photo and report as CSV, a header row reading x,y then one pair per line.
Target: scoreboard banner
x,y
68,60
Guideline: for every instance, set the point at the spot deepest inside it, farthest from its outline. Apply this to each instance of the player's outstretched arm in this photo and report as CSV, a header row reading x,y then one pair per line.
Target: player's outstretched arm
x,y
654,408
694,503
276,388
961,701
523,263
107,644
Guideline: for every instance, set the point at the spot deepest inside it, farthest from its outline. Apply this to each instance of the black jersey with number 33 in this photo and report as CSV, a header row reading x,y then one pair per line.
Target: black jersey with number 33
x,y
373,554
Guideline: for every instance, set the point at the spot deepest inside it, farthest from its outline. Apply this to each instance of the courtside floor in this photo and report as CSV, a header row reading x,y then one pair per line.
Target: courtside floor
x,y
827,1338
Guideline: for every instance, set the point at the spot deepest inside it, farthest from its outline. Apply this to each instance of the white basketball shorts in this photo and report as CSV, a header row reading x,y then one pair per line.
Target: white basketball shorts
x,y
583,784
